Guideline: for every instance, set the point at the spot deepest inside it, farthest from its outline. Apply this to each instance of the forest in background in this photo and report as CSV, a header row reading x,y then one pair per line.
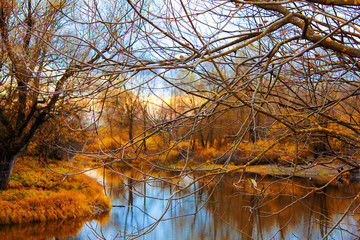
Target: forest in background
x,y
133,124
211,87
161,83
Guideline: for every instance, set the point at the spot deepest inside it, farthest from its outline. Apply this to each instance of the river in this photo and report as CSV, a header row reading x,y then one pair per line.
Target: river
x,y
258,207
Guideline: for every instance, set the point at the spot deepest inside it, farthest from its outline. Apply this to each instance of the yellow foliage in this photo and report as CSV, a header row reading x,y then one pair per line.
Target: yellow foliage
x,y
170,156
207,153
110,142
285,152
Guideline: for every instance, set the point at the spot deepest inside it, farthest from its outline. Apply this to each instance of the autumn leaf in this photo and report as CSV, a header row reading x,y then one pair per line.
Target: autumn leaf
x,y
254,183
283,33
181,56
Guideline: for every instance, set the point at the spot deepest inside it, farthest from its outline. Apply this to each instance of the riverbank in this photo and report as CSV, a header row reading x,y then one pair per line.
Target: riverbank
x,y
38,194
324,172
319,172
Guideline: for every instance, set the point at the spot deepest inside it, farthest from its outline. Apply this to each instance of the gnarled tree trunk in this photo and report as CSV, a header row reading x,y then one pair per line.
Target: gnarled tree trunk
x,y
6,167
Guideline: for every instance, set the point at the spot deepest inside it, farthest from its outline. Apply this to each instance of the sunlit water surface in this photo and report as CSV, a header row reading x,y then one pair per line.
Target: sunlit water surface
x,y
219,210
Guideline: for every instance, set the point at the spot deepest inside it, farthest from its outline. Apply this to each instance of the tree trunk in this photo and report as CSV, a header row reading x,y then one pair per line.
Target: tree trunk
x,y
6,167
203,143
131,125
144,129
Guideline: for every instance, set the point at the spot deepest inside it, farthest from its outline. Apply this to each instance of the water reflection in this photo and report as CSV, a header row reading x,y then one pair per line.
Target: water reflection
x,y
256,208
46,230
222,211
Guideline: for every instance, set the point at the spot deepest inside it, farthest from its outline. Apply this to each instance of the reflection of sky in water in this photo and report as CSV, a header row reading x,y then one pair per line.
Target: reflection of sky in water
x,y
222,218
144,212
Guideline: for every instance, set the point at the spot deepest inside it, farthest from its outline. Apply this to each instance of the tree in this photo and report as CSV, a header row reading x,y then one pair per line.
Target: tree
x,y
122,110
54,62
290,68
300,66
57,139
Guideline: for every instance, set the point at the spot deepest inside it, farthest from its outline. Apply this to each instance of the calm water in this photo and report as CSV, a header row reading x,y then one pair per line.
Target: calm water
x,y
256,208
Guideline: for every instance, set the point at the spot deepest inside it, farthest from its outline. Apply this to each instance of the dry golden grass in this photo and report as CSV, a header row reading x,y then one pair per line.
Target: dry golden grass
x,y
283,152
36,194
163,151
58,205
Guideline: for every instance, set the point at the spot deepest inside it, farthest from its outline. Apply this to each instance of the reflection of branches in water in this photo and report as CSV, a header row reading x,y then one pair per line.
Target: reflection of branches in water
x,y
327,227
173,193
279,199
273,207
241,209
96,230
343,216
273,201
137,187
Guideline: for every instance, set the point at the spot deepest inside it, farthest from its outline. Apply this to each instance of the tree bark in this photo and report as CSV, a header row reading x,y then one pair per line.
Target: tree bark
x,y
131,127
6,167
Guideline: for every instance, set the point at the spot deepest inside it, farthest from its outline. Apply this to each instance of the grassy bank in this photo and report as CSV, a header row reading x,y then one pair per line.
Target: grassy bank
x,y
36,194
